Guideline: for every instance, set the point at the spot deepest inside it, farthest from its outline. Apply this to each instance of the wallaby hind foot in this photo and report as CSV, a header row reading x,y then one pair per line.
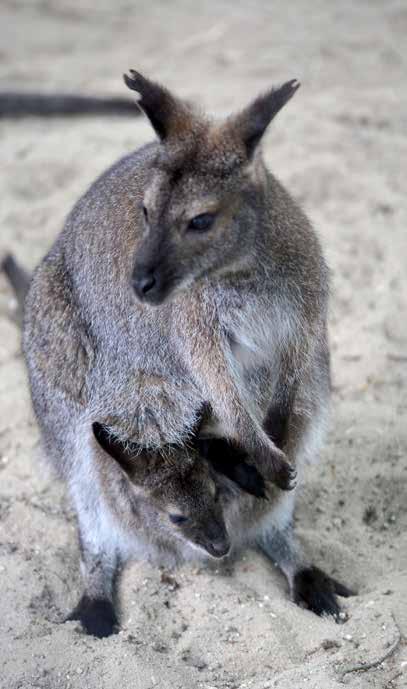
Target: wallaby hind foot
x,y
309,586
98,617
317,591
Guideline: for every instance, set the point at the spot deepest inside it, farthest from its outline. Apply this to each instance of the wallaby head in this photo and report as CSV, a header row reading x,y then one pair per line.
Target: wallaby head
x,y
184,489
203,203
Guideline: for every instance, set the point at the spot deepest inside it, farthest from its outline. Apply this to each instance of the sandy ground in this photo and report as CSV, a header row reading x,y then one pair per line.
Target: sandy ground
x,y
341,148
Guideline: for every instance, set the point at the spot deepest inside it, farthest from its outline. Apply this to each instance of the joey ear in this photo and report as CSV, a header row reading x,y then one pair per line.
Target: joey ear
x,y
250,124
146,469
168,115
130,462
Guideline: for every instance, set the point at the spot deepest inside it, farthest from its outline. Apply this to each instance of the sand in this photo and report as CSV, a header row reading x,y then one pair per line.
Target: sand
x,y
341,148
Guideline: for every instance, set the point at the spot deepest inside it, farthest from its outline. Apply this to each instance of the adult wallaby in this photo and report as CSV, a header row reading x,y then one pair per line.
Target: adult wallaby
x,y
186,276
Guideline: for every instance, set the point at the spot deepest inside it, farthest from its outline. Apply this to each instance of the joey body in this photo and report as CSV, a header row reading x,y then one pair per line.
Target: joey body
x,y
186,276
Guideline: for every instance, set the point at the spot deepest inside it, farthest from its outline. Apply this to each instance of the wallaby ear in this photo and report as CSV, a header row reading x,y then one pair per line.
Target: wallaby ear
x,y
250,124
146,469
168,115
120,452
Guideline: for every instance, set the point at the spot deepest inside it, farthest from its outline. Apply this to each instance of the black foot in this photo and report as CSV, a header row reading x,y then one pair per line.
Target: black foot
x,y
98,617
317,591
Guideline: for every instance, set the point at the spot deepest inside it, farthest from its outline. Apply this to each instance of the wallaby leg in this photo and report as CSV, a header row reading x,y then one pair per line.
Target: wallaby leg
x,y
97,609
99,541
270,460
248,435
237,423
249,438
309,586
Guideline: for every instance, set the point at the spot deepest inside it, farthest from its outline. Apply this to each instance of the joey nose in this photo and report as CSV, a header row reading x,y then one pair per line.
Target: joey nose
x,y
220,548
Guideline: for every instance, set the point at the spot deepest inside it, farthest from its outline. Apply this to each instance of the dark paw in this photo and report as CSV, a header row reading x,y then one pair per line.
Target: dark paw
x,y
97,617
285,476
276,468
315,590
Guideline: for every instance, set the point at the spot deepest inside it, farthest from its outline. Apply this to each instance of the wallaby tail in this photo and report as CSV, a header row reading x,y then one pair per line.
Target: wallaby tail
x,y
18,278
16,105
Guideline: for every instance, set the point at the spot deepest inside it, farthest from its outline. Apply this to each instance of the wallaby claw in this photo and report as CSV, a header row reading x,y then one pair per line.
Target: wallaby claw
x,y
293,479
279,471
285,477
317,591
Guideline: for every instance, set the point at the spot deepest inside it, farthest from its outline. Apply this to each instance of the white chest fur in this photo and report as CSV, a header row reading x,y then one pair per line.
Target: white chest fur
x,y
256,337
259,333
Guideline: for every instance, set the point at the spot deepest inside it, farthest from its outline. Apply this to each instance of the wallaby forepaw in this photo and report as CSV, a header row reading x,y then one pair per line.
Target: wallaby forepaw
x,y
276,469
285,477
97,617
316,591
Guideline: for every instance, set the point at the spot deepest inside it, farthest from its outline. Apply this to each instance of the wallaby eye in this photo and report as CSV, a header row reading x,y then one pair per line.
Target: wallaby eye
x,y
201,223
177,518
145,212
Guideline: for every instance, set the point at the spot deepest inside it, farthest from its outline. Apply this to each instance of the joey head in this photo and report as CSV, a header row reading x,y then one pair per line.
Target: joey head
x,y
183,488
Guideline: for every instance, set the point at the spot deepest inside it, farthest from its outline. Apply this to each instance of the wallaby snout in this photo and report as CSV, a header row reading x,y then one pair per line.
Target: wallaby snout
x,y
219,548
146,282
215,541
152,283
154,275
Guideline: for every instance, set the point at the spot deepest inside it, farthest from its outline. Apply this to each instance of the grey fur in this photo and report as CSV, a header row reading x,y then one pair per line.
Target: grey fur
x,y
236,319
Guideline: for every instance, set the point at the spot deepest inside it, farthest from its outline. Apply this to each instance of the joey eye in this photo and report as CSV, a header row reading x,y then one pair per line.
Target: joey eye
x,y
201,223
177,518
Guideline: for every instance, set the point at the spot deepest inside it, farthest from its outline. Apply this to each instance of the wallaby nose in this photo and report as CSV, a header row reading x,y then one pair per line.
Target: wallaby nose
x,y
144,283
220,548
147,283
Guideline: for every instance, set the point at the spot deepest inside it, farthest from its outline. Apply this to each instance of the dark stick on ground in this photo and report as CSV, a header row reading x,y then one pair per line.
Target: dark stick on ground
x,y
14,105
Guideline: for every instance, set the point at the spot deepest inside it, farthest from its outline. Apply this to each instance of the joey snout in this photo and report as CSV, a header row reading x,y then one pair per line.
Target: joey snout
x,y
215,540
218,549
